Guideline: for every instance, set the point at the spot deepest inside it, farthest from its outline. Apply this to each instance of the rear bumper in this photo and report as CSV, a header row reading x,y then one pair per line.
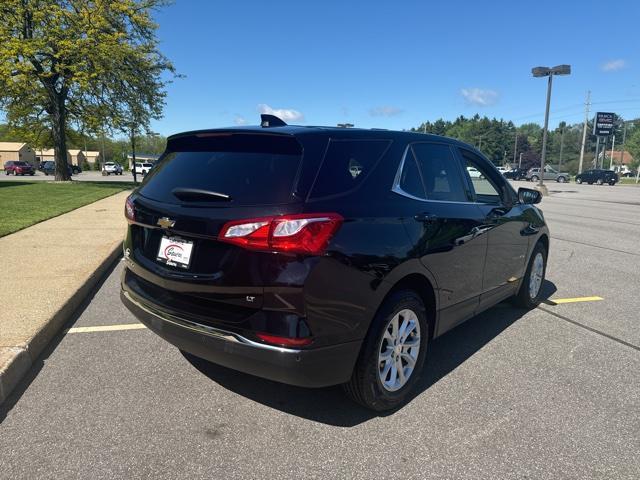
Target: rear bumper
x,y
316,367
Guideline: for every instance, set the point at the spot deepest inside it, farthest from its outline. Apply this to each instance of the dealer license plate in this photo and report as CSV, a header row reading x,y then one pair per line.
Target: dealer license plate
x,y
175,252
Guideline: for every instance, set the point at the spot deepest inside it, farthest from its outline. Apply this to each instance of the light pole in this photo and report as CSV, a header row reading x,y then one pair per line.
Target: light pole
x,y
547,72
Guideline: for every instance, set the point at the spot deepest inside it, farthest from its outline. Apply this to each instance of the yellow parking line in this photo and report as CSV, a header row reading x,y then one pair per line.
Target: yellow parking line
x,y
105,328
558,301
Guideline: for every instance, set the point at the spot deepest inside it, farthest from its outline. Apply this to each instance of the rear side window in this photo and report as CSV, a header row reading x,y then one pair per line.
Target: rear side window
x,y
251,169
440,172
346,164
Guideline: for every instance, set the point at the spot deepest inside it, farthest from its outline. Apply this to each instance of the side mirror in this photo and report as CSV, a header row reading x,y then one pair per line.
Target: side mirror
x,y
529,196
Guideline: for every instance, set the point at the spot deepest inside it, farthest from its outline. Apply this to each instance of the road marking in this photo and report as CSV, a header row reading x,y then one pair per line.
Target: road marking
x,y
105,328
558,301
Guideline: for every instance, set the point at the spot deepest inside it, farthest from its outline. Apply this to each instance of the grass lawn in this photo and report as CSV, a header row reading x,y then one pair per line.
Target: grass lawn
x,y
628,181
23,204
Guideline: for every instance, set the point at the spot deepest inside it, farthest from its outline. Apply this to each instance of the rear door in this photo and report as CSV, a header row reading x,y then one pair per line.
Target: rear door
x,y
445,227
199,184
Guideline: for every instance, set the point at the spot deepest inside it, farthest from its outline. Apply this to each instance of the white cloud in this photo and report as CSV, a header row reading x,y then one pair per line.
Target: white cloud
x,y
286,114
240,120
385,111
613,65
480,97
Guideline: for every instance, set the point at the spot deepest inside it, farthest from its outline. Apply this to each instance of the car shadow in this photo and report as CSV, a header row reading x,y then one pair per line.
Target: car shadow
x,y
330,405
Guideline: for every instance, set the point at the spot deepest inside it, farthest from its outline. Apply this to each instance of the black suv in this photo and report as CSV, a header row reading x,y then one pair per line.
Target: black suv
x,y
319,256
598,176
516,174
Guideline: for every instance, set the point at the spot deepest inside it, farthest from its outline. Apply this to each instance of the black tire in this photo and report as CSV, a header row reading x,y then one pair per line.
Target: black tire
x,y
579,181
365,386
612,183
590,183
523,298
534,178
561,179
32,174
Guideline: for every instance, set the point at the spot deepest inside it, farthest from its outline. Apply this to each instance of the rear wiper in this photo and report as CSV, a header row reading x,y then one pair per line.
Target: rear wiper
x,y
199,194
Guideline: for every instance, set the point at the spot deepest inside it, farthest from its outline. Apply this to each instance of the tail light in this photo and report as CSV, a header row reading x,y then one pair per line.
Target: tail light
x,y
129,211
284,341
306,233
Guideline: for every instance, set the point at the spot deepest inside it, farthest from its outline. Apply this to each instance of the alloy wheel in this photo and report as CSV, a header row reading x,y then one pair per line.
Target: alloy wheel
x,y
536,276
399,350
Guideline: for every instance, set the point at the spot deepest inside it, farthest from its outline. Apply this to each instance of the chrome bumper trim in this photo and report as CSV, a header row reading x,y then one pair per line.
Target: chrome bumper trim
x,y
205,329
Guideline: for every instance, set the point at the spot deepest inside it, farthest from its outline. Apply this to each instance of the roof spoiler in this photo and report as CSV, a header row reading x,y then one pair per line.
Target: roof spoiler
x,y
267,120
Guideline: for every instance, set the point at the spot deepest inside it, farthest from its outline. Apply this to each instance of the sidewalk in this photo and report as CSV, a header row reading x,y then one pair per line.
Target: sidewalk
x,y
47,270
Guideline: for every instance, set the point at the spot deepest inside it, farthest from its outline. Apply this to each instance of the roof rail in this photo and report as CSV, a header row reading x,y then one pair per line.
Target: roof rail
x,y
267,120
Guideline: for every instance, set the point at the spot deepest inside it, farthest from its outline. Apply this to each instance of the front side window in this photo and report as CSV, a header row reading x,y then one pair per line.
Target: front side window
x,y
485,189
439,171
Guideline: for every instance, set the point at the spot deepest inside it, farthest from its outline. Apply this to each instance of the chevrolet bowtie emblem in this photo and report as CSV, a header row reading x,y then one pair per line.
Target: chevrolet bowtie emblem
x,y
165,222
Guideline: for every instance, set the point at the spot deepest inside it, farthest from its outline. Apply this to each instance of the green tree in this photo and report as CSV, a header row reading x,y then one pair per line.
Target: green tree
x,y
88,63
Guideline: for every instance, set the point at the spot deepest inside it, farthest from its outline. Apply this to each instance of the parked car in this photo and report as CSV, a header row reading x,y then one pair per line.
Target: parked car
x,y
320,256
503,170
18,168
533,174
111,168
598,176
516,174
143,168
474,172
49,168
75,169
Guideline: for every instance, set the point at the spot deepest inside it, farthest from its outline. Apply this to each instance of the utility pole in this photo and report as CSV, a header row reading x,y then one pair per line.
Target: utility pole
x,y
561,147
520,162
595,159
624,138
584,129
613,146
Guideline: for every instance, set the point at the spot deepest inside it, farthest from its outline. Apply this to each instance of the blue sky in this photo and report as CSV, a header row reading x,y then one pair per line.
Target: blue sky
x,y
394,64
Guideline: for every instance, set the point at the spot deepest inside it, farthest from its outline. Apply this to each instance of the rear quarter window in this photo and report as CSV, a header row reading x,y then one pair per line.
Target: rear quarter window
x,y
346,165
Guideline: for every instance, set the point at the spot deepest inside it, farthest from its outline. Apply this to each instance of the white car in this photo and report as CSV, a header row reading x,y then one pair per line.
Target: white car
x,y
143,168
111,167
503,170
473,173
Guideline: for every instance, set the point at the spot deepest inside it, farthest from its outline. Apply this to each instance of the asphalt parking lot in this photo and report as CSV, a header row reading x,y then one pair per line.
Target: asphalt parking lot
x,y
550,393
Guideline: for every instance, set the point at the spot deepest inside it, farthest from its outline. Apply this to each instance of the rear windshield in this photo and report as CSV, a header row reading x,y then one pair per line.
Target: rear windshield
x,y
251,169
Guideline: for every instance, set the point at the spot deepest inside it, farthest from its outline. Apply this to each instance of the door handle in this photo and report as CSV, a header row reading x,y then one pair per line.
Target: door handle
x,y
426,217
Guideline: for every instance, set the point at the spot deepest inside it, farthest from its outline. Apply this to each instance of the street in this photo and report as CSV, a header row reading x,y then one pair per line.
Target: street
x,y
550,393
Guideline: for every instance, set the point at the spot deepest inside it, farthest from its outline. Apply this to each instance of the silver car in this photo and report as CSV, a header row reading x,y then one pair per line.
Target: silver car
x,y
550,173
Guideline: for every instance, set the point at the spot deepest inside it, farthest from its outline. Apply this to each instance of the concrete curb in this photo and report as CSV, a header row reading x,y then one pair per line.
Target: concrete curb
x,y
16,361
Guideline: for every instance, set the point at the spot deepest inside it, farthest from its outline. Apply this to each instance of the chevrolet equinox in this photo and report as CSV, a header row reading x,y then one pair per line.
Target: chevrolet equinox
x,y
319,256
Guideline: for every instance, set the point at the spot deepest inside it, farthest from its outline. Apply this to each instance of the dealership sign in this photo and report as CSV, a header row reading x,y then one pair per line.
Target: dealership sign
x,y
603,125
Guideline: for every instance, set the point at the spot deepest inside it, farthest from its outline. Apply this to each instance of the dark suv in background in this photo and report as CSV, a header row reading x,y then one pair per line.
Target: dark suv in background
x,y
318,256
598,176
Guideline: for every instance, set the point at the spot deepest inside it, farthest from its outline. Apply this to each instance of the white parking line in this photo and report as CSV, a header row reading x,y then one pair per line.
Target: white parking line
x,y
105,328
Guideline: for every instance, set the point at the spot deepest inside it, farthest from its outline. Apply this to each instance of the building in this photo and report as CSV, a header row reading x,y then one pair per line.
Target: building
x,y
142,157
49,155
626,157
16,151
77,157
92,157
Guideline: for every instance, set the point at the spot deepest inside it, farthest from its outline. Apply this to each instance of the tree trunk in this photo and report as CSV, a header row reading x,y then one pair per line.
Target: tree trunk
x,y
59,123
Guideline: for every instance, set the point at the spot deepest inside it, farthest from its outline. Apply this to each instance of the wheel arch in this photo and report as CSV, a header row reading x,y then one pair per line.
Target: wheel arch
x,y
424,287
